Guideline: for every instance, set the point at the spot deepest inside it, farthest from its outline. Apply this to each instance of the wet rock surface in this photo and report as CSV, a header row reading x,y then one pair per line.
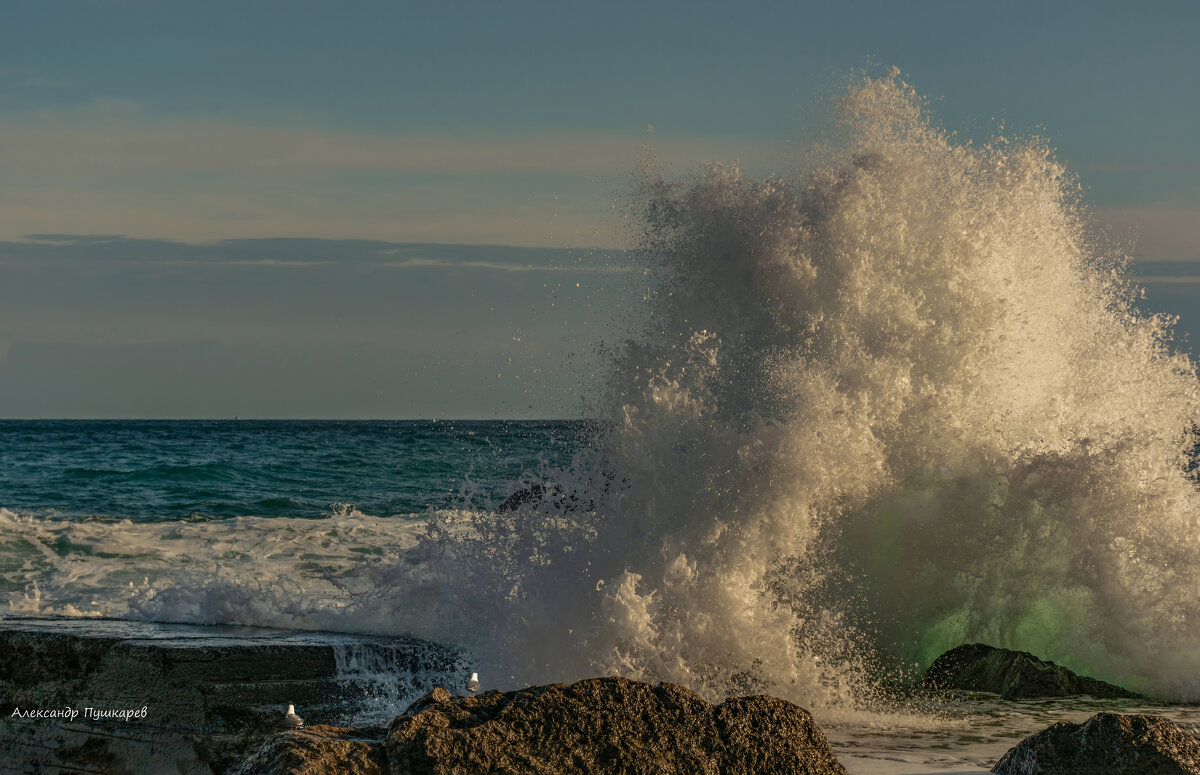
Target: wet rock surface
x,y
1014,675
317,750
606,725
598,726
208,693
1108,743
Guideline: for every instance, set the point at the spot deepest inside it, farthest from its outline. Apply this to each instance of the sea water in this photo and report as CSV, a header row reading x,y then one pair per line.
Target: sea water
x,y
898,399
94,511
104,516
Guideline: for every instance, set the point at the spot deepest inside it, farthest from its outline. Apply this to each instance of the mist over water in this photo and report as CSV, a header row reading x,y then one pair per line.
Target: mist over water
x,y
895,402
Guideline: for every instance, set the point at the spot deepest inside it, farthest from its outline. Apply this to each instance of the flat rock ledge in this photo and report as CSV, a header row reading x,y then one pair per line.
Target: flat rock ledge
x,y
183,699
598,726
1109,743
1014,675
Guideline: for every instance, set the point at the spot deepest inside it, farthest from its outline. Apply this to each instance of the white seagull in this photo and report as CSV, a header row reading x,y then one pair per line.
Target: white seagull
x,y
473,684
291,719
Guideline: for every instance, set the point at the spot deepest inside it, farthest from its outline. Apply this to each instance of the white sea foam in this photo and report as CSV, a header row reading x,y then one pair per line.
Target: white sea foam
x,y
897,402
893,403
244,570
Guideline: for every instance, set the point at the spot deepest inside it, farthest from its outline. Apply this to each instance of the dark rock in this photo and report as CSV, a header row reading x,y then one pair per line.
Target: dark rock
x,y
192,699
317,750
1014,675
539,496
558,500
1107,743
606,725
533,494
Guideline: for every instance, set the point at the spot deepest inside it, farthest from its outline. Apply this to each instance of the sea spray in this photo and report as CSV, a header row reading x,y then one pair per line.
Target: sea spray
x,y
380,680
892,404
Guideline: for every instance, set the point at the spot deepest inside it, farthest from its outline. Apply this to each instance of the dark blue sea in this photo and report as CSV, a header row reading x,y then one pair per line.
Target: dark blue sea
x,y
170,470
242,521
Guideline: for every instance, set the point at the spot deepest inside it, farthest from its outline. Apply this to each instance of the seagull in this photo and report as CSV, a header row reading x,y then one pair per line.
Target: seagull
x,y
473,684
291,719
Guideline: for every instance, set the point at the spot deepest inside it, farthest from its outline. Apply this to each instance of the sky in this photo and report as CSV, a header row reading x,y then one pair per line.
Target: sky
x,y
415,210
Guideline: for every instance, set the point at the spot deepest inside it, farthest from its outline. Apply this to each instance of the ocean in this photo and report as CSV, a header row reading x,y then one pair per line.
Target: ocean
x,y
101,514
200,470
904,400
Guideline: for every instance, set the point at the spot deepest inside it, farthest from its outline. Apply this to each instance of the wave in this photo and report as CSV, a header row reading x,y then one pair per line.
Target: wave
x,y
288,571
895,402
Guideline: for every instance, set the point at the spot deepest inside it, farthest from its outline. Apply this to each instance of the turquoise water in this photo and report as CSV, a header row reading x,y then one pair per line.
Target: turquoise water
x,y
201,470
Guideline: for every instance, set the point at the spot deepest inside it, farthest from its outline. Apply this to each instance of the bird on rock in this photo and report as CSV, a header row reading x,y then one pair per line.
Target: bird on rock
x,y
291,719
473,684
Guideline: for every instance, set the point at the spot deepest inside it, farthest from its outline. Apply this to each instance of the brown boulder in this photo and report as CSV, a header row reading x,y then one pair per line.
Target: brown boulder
x,y
606,725
317,750
1108,743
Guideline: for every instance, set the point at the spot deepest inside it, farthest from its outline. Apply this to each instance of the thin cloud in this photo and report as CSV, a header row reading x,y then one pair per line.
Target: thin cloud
x,y
1169,231
76,239
301,253
110,169
273,262
422,263
419,263
1168,280
456,210
119,139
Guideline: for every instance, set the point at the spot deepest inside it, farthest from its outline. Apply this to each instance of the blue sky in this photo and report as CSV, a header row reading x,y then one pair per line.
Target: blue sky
x,y
371,126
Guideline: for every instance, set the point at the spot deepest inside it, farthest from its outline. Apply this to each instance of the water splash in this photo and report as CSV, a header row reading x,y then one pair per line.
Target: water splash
x,y
381,680
895,403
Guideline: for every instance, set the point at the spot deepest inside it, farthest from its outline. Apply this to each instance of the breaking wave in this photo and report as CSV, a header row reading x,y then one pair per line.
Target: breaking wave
x,y
894,403
897,401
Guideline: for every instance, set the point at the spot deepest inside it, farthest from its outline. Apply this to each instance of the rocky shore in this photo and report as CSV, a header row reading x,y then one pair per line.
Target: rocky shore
x,y
598,726
100,696
104,696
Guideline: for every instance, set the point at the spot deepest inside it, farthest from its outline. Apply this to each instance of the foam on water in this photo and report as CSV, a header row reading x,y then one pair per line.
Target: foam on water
x,y
985,729
892,403
244,570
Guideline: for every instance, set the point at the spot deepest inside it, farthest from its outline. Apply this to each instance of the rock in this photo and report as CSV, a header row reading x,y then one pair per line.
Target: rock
x,y
1014,675
606,725
317,750
533,494
436,696
558,500
208,693
539,496
1107,743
